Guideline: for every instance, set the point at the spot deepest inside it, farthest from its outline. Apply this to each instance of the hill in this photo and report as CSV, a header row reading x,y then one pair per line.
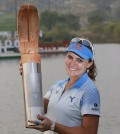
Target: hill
x,y
78,7
99,19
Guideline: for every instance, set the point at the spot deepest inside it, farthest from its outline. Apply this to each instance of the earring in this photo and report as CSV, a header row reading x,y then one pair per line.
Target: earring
x,y
87,70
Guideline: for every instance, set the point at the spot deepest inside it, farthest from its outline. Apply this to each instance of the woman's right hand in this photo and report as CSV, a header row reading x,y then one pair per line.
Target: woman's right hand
x,y
21,68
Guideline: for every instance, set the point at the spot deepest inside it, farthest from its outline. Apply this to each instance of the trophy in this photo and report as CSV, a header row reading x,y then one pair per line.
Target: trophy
x,y
28,34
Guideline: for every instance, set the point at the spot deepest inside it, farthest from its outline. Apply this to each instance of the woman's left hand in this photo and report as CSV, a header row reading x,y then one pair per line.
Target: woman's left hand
x,y
43,125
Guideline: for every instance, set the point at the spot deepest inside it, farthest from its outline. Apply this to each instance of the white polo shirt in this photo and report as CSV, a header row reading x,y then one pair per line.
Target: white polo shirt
x,y
68,108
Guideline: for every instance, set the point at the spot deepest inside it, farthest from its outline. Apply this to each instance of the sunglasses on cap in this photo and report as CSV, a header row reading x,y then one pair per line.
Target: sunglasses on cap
x,y
84,42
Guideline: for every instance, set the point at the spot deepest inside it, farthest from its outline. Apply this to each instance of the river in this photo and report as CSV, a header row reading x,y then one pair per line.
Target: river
x,y
107,58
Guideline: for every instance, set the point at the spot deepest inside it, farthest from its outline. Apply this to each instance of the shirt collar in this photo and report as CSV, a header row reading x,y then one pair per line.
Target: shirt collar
x,y
81,80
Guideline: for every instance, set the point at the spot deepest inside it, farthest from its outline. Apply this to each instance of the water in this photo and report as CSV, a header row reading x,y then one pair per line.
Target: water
x,y
53,68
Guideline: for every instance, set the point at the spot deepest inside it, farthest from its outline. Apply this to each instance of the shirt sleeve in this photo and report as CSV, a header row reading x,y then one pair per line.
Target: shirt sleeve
x,y
90,103
48,94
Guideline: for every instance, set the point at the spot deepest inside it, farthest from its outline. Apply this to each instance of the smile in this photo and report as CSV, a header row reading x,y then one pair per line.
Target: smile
x,y
73,69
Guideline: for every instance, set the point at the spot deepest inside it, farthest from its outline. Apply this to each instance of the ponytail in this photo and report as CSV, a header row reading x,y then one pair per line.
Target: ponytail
x,y
92,71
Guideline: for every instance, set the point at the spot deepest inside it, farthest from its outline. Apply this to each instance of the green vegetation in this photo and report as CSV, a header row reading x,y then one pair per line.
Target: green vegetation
x,y
98,27
103,33
58,27
7,22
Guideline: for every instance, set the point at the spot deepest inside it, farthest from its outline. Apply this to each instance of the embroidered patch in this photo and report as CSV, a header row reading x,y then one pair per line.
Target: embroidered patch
x,y
56,91
72,98
77,47
95,107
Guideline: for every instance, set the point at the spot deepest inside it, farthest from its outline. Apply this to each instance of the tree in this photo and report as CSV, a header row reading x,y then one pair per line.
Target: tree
x,y
97,16
72,21
104,5
60,32
49,19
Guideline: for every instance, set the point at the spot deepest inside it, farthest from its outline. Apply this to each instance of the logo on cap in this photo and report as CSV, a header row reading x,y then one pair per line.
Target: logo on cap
x,y
77,47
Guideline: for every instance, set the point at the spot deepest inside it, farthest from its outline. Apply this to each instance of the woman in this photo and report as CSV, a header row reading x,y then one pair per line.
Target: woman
x,y
72,106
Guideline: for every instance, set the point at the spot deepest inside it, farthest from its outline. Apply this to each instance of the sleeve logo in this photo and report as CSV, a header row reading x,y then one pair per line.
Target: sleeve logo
x,y
95,108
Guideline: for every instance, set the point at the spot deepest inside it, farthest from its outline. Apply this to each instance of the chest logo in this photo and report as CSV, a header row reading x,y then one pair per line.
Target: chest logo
x,y
56,91
71,98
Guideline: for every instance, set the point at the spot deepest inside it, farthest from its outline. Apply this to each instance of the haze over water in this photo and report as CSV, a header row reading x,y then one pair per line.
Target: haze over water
x,y
107,59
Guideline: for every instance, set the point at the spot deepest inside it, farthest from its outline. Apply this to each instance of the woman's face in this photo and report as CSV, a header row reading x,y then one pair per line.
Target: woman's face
x,y
75,65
